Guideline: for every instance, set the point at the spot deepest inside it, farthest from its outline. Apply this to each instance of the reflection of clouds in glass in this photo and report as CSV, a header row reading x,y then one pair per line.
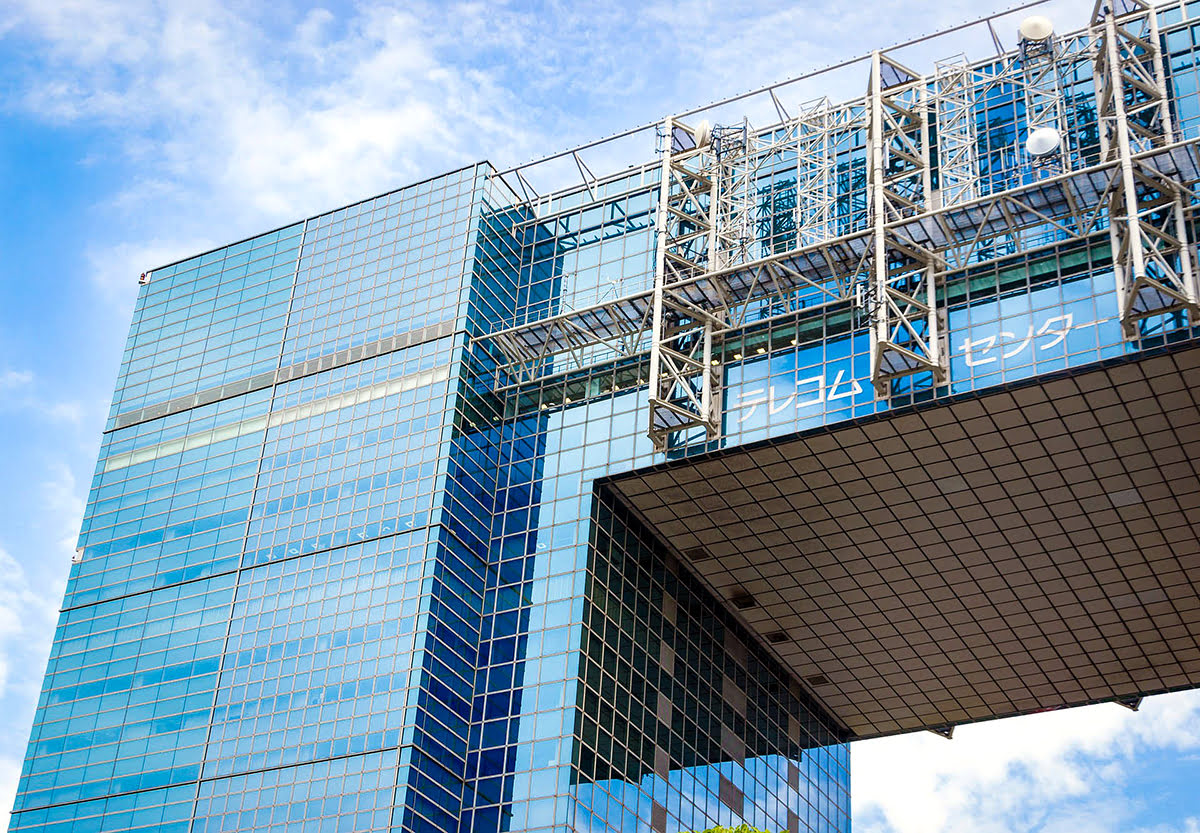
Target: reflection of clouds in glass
x,y
606,806
814,384
583,442
990,339
1030,333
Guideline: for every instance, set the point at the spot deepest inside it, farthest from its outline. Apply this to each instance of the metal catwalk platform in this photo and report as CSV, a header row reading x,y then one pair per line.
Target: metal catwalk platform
x,y
715,270
1073,202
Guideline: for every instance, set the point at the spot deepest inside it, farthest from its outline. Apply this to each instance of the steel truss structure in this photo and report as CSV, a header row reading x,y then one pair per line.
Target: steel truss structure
x,y
1042,63
930,213
902,290
958,143
693,224
1151,256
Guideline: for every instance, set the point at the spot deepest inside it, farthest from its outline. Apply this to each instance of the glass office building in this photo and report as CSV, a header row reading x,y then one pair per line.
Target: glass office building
x,y
326,583
343,568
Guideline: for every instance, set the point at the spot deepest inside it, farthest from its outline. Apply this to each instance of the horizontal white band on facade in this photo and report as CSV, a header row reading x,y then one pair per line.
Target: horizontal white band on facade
x,y
308,367
317,407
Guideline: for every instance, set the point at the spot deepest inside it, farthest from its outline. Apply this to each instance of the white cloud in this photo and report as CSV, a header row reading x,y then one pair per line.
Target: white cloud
x,y
1188,825
19,391
16,600
228,123
26,618
64,505
29,597
1054,773
274,121
115,268
231,120
11,379
10,774
28,603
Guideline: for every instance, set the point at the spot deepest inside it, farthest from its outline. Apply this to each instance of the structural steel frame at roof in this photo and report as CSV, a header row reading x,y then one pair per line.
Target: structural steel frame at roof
x,y
711,276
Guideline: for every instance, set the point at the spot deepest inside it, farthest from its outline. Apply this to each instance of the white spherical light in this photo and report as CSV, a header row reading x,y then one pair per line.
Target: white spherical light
x,y
1036,28
703,133
1043,142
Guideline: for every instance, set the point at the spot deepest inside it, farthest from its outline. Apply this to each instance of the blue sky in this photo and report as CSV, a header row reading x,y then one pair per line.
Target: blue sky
x,y
134,133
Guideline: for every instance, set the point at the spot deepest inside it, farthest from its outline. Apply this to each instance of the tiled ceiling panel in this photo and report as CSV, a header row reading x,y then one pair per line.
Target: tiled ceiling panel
x,y
1028,549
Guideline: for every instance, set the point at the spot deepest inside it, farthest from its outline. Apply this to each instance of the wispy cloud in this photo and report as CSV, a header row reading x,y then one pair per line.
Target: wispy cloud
x,y
26,616
230,121
20,392
63,500
225,120
17,599
29,601
14,379
1188,825
273,120
10,775
1053,773
115,267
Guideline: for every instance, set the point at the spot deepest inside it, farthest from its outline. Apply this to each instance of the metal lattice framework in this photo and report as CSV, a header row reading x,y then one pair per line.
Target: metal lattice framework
x,y
693,223
902,291
958,170
1041,70
1152,259
816,182
930,213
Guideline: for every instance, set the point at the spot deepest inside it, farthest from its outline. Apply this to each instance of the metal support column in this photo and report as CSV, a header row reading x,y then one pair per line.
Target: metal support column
x,y
1045,106
903,293
958,163
816,184
1152,258
684,373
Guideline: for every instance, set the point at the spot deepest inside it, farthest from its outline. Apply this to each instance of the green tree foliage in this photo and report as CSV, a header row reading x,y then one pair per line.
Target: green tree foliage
x,y
741,828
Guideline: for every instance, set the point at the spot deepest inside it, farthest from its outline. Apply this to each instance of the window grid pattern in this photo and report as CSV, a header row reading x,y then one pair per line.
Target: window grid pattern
x,y
1025,548
381,267
682,715
175,516
318,658
128,694
348,474
353,793
172,502
209,320
375,598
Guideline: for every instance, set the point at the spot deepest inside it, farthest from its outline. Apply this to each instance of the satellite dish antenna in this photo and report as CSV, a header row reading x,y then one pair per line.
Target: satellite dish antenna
x,y
703,133
1043,142
1036,28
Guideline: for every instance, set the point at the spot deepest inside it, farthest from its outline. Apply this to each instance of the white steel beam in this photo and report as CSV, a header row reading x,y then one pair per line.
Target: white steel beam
x,y
902,293
684,381
1152,259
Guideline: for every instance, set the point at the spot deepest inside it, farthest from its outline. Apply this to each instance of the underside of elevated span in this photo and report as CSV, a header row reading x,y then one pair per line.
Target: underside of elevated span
x,y
1017,550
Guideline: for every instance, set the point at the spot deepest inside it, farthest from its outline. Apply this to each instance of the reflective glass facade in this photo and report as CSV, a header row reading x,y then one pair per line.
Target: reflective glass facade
x,y
335,575
325,583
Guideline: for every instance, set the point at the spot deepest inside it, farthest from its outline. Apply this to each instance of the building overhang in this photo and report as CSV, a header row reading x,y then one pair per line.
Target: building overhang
x,y
1023,549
